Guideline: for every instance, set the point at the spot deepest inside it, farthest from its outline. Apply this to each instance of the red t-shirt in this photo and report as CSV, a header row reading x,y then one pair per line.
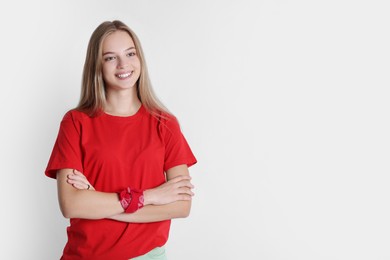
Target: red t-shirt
x,y
113,153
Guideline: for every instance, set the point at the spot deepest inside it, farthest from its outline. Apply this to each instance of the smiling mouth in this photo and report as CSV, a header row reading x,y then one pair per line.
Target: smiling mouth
x,y
124,75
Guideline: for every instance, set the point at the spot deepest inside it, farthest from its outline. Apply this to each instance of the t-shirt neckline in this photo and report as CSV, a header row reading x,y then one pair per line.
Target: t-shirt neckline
x,y
135,116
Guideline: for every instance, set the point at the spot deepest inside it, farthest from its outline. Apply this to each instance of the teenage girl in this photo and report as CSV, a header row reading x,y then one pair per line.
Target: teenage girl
x,y
120,159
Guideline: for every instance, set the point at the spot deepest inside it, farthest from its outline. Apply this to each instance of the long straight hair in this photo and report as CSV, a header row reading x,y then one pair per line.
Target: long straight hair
x,y
93,91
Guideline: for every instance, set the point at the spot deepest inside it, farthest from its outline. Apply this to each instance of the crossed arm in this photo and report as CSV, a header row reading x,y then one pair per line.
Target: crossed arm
x,y
167,201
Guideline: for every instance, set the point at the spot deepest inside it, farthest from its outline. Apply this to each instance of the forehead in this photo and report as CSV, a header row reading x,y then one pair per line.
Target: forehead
x,y
117,41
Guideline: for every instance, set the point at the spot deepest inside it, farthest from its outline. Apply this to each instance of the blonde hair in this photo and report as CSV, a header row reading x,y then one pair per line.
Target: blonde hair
x,y
93,93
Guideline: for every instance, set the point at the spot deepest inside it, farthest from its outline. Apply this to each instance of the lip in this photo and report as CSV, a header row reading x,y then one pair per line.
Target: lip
x,y
124,75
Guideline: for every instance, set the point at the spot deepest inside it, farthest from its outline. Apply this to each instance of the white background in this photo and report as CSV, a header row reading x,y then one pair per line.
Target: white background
x,y
284,103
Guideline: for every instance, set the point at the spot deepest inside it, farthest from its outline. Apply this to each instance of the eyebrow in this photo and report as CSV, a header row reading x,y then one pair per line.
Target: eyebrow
x,y
110,52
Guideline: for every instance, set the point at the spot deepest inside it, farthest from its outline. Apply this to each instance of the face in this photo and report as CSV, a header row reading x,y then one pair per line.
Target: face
x,y
121,65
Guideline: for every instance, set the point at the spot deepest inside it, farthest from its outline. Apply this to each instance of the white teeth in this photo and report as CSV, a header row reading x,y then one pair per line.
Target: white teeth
x,y
123,75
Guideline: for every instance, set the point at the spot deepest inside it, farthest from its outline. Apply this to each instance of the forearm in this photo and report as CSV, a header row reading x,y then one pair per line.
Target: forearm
x,y
154,213
170,200
91,205
86,204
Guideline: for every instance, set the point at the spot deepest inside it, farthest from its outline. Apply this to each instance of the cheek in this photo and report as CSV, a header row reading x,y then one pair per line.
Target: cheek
x,y
137,63
106,71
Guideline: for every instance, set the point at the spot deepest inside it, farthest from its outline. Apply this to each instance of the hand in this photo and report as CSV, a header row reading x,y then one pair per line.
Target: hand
x,y
178,188
79,181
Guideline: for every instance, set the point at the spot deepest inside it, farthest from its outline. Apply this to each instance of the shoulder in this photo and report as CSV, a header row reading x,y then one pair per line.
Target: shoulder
x,y
75,116
74,119
169,121
169,127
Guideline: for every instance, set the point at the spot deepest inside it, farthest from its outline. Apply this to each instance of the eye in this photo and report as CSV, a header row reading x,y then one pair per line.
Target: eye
x,y
132,53
109,58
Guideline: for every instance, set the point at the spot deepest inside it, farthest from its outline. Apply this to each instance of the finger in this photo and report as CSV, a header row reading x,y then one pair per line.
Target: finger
x,y
76,182
76,172
78,178
77,175
71,176
180,178
184,197
186,191
79,186
184,183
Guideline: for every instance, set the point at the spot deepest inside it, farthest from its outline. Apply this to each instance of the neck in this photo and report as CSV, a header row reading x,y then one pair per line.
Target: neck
x,y
122,103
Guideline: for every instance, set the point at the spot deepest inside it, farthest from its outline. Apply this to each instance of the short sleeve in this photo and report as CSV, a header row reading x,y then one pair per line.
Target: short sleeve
x,y
177,150
67,150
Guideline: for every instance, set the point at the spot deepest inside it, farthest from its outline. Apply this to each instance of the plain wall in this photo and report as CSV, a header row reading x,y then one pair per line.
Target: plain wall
x,y
284,103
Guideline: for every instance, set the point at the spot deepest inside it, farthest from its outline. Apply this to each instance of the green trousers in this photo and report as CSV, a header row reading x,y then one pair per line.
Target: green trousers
x,y
156,254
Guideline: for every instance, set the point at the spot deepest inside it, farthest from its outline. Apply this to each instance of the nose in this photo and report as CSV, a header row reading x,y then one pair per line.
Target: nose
x,y
121,63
